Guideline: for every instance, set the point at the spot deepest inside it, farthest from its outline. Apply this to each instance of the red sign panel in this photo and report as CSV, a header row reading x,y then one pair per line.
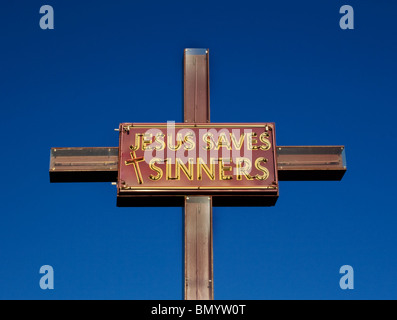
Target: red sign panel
x,y
197,159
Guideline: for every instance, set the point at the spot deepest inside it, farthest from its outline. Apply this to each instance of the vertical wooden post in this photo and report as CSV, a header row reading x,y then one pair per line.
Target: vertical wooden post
x,y
198,209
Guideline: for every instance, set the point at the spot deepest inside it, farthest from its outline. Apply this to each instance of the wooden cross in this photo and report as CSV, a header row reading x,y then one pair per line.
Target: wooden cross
x,y
102,165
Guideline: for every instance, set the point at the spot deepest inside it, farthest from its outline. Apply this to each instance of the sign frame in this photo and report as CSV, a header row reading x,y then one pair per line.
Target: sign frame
x,y
229,194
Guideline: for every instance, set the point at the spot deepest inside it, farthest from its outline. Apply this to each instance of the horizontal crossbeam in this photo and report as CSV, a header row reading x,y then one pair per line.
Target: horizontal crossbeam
x,y
311,163
99,164
90,164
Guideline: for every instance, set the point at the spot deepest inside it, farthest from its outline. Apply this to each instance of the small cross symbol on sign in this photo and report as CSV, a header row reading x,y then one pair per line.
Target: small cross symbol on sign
x,y
135,162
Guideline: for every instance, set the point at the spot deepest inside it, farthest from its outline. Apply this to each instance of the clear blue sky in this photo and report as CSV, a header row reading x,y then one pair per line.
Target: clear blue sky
x,y
286,62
